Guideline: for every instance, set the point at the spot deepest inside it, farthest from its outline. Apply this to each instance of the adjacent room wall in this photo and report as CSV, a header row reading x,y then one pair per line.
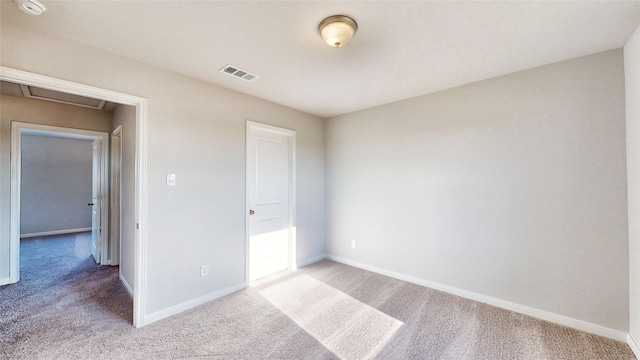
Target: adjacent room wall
x,y
56,185
632,83
512,188
37,112
197,131
126,116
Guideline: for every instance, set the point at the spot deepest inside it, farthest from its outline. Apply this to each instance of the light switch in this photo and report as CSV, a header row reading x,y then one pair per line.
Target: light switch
x,y
171,179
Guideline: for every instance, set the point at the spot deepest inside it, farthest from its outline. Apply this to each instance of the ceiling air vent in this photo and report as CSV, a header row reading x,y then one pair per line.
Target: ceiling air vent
x,y
239,73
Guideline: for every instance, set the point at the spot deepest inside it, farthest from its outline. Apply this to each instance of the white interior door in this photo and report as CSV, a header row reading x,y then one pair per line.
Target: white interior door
x,y
268,194
96,202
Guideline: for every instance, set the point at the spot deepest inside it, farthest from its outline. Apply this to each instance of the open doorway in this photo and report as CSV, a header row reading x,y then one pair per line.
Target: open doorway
x,y
56,185
62,171
137,217
58,172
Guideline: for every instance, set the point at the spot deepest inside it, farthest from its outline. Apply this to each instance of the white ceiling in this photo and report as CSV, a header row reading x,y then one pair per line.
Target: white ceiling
x,y
401,50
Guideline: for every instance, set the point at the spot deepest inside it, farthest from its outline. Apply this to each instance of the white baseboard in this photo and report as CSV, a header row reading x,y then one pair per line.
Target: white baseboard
x,y
173,310
312,260
126,285
634,346
522,309
55,232
5,281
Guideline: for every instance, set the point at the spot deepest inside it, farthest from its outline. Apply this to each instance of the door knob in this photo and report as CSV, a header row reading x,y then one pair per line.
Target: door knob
x,y
251,212
89,204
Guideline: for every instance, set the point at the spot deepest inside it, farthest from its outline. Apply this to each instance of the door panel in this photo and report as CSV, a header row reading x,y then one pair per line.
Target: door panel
x,y
268,182
96,202
116,198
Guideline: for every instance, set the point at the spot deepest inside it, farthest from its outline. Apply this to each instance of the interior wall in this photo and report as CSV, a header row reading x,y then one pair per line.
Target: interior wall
x,y
56,184
632,87
126,116
197,131
512,188
36,112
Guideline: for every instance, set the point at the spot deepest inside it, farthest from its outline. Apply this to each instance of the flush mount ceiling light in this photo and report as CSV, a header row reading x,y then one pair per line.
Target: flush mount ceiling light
x,y
337,30
31,7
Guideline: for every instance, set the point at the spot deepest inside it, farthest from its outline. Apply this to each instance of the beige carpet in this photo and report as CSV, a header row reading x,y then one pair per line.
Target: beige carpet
x,y
332,317
69,308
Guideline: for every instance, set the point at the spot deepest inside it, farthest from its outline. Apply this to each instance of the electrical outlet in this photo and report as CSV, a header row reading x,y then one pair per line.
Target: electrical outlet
x,y
353,244
204,270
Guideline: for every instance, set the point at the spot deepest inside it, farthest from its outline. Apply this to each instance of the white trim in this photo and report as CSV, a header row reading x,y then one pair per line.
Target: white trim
x,y
58,131
54,232
115,193
522,309
313,260
189,304
291,134
5,281
17,130
126,285
105,201
46,82
117,131
140,266
247,207
14,214
633,345
293,234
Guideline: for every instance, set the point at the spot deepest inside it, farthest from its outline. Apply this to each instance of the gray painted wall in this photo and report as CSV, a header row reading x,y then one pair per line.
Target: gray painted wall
x,y
632,83
37,112
513,188
196,130
56,184
126,116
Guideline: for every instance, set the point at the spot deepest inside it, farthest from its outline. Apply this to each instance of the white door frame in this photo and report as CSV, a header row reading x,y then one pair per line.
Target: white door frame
x,y
292,191
115,197
17,130
140,256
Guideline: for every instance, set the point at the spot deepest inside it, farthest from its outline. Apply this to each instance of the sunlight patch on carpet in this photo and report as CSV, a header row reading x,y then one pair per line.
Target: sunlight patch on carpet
x,y
345,326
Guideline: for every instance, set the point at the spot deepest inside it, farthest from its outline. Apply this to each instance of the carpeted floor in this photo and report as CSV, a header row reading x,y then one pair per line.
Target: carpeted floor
x,y
66,307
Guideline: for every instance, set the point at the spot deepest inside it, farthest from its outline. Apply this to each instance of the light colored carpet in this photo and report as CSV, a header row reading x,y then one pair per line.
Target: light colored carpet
x,y
66,307
335,319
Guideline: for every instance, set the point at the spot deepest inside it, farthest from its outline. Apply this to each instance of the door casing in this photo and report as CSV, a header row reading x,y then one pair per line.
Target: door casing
x,y
100,240
115,192
17,130
141,104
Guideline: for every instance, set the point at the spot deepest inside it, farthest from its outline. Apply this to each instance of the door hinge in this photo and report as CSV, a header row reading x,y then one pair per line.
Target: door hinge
x,y
137,226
